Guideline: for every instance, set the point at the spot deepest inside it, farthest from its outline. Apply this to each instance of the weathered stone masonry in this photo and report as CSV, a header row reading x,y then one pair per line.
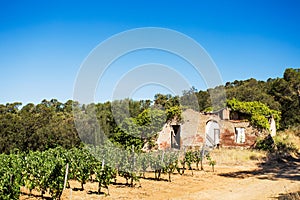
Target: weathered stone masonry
x,y
215,129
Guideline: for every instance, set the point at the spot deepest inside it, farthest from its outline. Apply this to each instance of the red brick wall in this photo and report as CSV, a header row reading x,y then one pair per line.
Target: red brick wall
x,y
227,136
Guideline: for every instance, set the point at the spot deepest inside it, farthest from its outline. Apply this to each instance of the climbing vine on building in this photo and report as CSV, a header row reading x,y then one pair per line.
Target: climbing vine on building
x,y
258,112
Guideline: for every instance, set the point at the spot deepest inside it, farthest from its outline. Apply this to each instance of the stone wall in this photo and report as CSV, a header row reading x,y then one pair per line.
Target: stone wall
x,y
164,137
193,130
228,134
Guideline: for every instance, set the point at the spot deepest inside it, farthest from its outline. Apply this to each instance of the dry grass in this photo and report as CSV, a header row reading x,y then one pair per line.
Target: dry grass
x,y
237,156
289,196
291,136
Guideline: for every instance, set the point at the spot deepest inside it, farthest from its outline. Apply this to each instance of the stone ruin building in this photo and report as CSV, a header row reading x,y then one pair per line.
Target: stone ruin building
x,y
217,129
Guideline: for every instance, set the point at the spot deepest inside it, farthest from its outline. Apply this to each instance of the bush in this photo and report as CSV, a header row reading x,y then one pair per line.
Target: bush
x,y
281,143
265,144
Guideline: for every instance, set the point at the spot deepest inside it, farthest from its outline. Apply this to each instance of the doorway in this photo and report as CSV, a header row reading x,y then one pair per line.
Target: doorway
x,y
175,136
212,134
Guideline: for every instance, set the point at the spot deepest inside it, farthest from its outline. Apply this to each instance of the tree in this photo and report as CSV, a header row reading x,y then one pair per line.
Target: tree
x,y
285,91
189,99
140,130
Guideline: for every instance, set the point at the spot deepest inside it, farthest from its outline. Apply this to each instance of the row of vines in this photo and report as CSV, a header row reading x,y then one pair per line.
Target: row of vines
x,y
49,171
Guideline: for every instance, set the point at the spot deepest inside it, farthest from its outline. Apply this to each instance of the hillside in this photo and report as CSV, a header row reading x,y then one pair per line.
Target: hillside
x,y
51,123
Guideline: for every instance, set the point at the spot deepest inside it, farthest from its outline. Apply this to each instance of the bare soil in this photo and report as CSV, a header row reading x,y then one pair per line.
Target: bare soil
x,y
275,179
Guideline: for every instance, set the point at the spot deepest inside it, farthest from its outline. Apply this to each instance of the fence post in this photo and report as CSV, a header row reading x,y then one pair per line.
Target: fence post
x,y
66,176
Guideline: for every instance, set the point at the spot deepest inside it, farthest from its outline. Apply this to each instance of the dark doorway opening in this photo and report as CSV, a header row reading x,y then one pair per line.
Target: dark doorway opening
x,y
175,136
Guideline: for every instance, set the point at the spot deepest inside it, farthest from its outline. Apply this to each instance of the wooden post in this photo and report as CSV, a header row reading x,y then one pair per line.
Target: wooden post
x,y
71,193
102,167
66,176
202,157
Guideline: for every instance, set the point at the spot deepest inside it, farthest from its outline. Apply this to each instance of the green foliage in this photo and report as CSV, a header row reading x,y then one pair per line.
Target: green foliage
x,y
166,101
284,145
35,170
217,97
104,175
279,144
50,124
286,91
260,121
278,94
127,168
171,163
211,162
44,171
170,104
36,127
257,112
196,157
79,168
139,130
174,112
11,176
208,109
265,144
189,159
252,90
127,139
204,100
38,131
189,99
150,121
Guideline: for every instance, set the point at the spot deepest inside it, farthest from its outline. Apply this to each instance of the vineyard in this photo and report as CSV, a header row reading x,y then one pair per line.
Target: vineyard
x,y
49,171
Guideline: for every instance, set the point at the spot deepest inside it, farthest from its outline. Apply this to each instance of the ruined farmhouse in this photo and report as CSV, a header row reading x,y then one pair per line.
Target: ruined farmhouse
x,y
216,129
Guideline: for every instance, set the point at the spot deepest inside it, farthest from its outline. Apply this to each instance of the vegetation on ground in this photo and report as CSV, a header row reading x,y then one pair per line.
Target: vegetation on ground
x,y
46,171
283,144
38,141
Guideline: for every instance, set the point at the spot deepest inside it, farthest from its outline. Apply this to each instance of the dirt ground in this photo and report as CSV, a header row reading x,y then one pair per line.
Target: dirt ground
x,y
247,181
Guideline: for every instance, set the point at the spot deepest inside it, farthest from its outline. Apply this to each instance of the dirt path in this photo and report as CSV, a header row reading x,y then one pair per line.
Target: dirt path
x,y
251,188
247,182
271,180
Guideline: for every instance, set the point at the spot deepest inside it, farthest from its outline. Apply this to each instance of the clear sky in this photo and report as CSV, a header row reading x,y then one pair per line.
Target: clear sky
x,y
43,43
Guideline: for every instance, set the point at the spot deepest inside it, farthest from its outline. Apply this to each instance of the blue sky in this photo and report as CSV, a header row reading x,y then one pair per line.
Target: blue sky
x,y
43,43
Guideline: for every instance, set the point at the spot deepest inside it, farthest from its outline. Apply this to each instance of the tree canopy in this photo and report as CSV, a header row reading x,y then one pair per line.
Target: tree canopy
x,y
128,122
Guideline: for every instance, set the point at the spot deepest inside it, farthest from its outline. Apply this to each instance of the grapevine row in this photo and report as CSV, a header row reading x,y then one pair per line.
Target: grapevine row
x,y
45,171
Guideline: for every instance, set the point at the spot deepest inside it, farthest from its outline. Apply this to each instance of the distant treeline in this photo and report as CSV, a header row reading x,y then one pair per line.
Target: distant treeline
x,y
51,123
